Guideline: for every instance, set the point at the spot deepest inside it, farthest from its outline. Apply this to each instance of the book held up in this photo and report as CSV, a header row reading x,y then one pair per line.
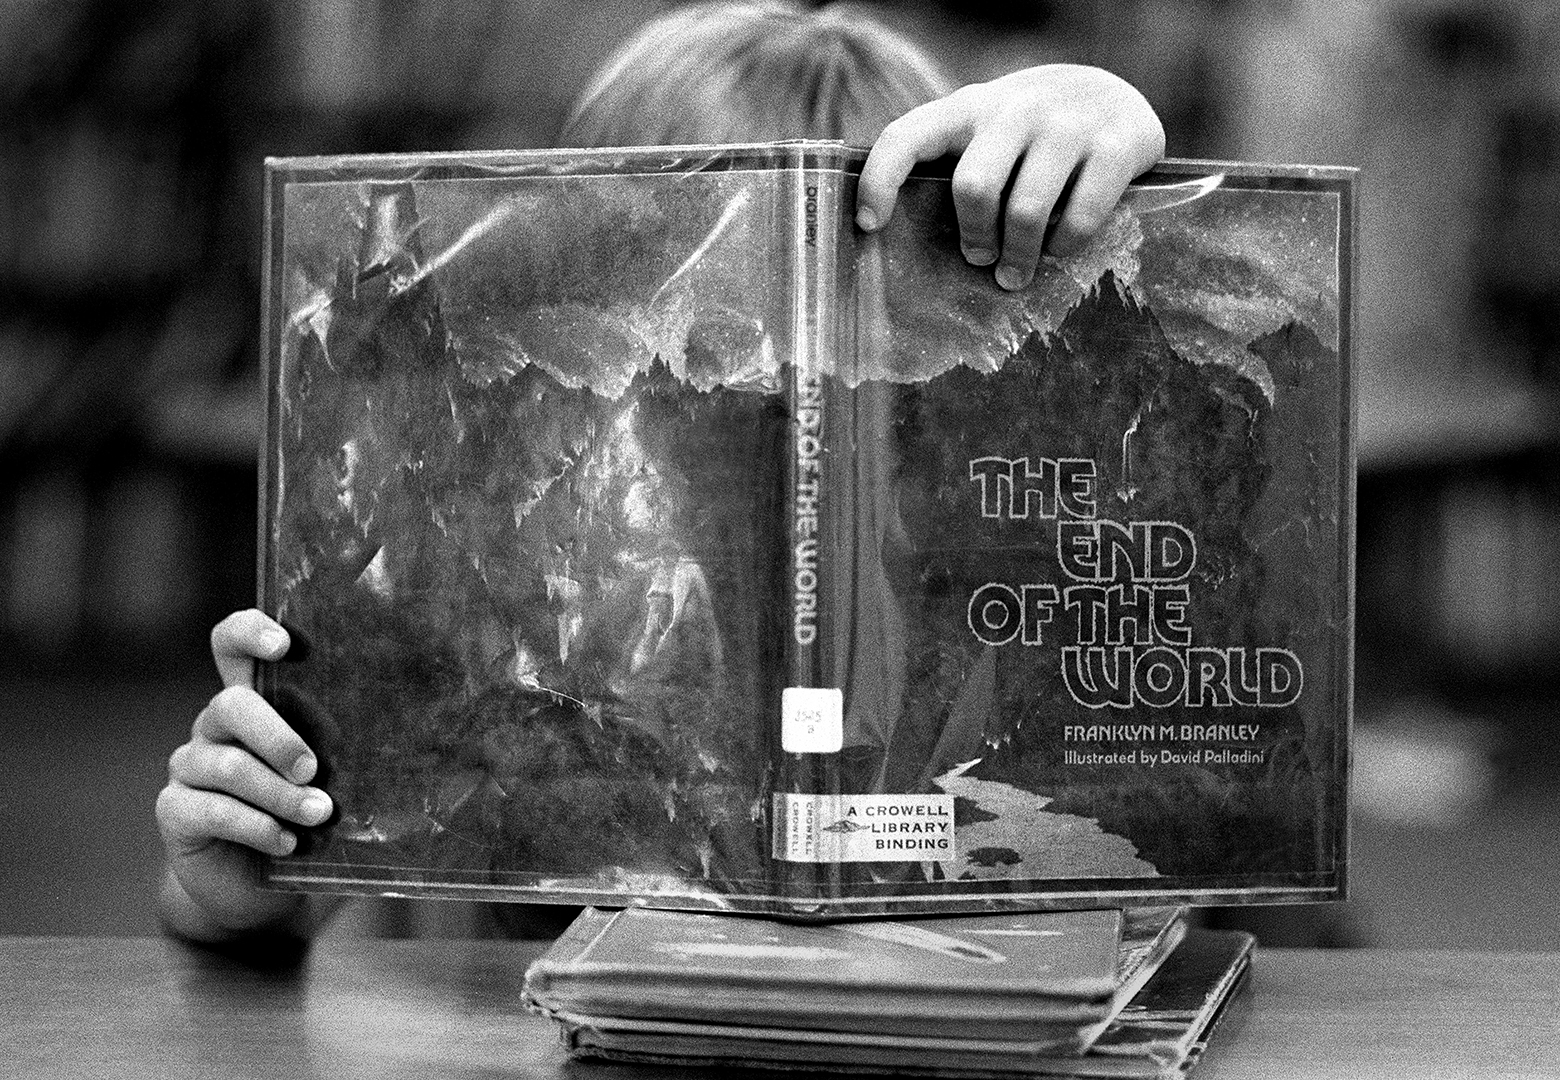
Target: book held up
x,y
659,538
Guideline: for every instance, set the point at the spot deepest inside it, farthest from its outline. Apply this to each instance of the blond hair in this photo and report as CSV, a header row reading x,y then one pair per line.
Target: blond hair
x,y
754,71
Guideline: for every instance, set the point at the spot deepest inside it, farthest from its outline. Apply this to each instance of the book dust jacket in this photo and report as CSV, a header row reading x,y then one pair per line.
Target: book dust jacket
x,y
657,537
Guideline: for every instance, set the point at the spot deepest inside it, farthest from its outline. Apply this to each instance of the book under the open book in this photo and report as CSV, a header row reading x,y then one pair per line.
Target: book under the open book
x,y
658,537
1131,993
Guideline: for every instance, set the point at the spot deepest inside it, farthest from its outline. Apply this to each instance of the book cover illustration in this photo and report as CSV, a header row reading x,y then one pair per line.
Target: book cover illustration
x,y
1160,1035
655,536
1046,980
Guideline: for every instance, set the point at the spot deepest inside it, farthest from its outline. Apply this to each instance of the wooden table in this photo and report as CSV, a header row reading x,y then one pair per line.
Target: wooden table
x,y
129,1008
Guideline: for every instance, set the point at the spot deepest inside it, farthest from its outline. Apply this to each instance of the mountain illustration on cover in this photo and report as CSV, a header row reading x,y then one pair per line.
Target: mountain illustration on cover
x,y
527,503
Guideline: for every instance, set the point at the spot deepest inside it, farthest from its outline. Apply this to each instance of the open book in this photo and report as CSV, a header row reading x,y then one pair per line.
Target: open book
x,y
655,536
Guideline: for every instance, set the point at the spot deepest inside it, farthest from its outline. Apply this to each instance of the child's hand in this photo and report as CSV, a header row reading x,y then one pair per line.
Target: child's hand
x,y
1057,143
232,790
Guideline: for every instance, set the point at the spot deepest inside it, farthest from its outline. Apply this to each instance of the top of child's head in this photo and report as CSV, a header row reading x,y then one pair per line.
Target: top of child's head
x,y
754,71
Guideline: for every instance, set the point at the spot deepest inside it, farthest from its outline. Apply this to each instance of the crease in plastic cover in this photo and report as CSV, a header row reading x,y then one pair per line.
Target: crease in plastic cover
x,y
653,536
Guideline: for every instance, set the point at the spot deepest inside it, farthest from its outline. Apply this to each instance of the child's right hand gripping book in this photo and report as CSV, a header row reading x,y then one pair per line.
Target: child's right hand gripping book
x,y
657,537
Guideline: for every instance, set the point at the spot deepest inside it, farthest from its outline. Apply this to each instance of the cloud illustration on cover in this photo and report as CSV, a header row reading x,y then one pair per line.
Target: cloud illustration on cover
x,y
1221,272
592,280
922,309
1218,273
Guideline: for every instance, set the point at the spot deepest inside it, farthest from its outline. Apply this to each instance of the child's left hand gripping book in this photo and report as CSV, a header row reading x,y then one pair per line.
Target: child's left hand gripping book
x,y
655,537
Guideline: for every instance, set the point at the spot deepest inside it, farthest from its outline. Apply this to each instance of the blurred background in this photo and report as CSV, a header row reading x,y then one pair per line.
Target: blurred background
x,y
131,141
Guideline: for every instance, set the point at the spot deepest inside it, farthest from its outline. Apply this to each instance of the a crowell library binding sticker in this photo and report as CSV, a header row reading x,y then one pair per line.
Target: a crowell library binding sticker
x,y
864,828
812,720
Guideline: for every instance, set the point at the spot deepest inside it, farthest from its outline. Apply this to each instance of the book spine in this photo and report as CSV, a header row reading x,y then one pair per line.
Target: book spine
x,y
811,705
811,433
547,981
272,375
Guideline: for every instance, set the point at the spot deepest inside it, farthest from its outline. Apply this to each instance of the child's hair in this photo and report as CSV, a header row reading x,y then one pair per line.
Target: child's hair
x,y
754,71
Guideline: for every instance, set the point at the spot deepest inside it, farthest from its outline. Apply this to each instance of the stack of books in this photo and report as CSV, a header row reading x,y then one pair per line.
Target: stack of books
x,y
1105,993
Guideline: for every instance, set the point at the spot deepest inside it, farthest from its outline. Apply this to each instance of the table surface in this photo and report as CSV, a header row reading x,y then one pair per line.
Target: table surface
x,y
129,1008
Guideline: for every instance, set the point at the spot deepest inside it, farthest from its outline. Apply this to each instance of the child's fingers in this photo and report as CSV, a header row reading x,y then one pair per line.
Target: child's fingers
x,y
920,135
979,181
1095,192
241,638
1041,178
232,770
190,819
240,716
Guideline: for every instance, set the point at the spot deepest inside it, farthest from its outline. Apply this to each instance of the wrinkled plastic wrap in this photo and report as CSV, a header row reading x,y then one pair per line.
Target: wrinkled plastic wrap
x,y
531,506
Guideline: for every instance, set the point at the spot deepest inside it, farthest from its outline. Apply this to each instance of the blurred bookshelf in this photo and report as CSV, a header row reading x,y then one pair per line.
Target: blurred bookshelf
x,y
131,145
1452,110
130,168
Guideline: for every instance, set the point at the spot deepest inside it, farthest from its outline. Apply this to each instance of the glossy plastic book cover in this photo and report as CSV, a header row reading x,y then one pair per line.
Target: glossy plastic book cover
x,y
1048,980
655,536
